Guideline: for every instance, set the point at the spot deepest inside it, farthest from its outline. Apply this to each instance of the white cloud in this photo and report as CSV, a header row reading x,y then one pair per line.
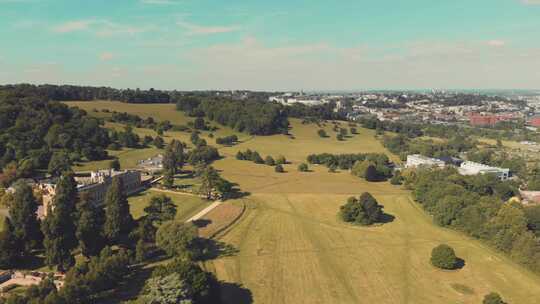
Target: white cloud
x,y
101,28
159,2
194,29
73,26
531,2
106,56
496,43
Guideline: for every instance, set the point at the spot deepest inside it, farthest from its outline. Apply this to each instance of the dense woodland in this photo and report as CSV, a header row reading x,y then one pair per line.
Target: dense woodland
x,y
33,131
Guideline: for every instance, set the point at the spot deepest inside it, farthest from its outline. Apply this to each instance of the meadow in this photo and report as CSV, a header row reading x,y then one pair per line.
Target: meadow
x,y
292,248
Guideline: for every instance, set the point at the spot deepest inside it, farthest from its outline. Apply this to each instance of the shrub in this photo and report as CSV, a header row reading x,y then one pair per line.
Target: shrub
x,y
303,167
269,161
280,160
444,257
493,298
279,169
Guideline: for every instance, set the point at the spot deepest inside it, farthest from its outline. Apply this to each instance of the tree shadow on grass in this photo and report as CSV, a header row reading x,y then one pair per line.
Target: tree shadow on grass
x,y
201,223
131,286
386,218
460,263
31,262
212,249
235,293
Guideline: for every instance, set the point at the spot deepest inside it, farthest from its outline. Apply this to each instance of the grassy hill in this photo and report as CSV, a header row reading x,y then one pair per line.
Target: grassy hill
x,y
293,249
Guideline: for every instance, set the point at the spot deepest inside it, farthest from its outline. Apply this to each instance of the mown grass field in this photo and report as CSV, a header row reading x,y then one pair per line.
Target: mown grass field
x,y
293,249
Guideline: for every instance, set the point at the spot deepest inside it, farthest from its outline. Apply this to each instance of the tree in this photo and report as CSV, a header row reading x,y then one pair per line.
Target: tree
x,y
118,220
115,164
533,219
22,213
493,298
199,124
174,157
170,289
340,137
444,257
303,167
90,227
59,225
256,158
279,169
269,161
362,211
353,130
59,164
397,179
372,175
160,209
177,238
281,160
240,156
9,246
158,142
322,133
141,251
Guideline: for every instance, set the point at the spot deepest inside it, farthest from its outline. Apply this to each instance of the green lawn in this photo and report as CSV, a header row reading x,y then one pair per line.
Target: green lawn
x,y
128,159
187,205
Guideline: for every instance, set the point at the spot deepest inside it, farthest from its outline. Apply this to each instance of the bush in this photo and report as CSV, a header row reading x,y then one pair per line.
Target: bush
x,y
279,169
444,257
256,158
269,161
281,160
493,298
322,133
303,167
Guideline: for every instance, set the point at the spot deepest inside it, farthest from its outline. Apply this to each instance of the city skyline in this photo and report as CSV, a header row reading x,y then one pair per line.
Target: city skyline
x,y
282,45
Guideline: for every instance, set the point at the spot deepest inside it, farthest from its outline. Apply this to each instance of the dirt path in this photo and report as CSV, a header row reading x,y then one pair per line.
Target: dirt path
x,y
204,212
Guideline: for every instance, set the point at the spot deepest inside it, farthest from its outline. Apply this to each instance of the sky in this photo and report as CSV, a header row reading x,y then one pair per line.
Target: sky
x,y
272,45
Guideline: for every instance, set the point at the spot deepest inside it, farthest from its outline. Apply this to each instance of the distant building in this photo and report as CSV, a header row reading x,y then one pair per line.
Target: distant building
x,y
472,168
488,120
535,121
152,164
417,160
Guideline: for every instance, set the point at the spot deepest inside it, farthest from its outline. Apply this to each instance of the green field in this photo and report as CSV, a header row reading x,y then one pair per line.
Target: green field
x,y
187,205
293,249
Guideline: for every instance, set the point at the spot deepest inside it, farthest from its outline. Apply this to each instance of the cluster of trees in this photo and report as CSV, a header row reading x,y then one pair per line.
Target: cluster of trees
x,y
255,157
359,163
516,164
213,186
403,146
323,111
479,206
364,210
173,161
250,116
33,130
227,140
410,130
74,222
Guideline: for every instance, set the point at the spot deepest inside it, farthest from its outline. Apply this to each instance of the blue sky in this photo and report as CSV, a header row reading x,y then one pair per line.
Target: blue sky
x,y
272,45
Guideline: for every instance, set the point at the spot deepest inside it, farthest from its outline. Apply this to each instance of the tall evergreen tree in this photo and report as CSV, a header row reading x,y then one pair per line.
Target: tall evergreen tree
x,y
118,220
161,209
24,218
90,227
174,157
59,225
9,246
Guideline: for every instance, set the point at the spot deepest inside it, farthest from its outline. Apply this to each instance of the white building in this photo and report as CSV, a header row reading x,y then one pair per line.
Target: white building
x,y
417,160
472,168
